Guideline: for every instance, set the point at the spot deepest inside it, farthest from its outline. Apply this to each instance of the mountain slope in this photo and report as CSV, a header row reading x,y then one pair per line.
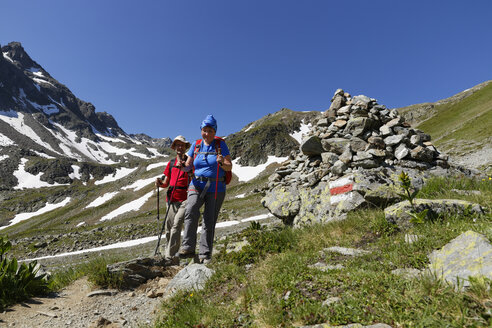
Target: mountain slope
x,y
271,135
460,125
45,129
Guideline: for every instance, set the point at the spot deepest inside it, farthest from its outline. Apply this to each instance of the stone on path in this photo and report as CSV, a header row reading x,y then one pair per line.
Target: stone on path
x,y
193,276
103,292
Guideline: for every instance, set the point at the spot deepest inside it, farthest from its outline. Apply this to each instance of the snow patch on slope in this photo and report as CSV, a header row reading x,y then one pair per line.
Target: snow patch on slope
x,y
139,184
303,130
246,173
6,56
130,243
17,122
119,174
156,165
47,208
102,199
28,180
131,206
5,141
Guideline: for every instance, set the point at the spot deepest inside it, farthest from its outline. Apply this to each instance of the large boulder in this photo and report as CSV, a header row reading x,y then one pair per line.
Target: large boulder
x,y
283,202
468,255
399,213
314,205
311,146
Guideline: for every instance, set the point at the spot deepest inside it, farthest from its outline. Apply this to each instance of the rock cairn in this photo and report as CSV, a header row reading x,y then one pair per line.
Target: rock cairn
x,y
354,137
356,132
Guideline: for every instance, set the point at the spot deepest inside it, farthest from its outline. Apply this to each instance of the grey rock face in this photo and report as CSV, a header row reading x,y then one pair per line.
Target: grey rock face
x,y
339,167
283,202
337,102
329,158
357,126
401,151
335,145
423,154
311,146
394,140
468,255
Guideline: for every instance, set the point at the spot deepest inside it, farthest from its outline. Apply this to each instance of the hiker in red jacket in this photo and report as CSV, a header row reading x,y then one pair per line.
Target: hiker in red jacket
x,y
212,163
178,181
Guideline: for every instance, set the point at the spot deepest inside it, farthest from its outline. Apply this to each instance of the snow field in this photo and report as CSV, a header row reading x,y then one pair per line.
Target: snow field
x,y
145,240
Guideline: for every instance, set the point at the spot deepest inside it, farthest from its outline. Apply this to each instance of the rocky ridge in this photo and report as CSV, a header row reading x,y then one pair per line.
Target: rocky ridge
x,y
268,136
358,145
46,127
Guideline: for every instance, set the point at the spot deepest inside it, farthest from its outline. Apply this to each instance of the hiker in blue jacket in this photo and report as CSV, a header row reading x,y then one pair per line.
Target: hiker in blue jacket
x,y
210,159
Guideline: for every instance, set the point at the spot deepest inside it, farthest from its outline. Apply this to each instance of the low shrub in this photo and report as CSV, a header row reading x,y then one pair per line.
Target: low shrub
x,y
18,282
260,243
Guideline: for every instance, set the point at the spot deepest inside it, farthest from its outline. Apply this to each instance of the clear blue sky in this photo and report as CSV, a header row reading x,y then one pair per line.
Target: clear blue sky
x,y
159,67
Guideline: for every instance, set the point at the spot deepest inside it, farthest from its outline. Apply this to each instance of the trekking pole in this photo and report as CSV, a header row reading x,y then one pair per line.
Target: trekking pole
x,y
157,203
165,217
216,215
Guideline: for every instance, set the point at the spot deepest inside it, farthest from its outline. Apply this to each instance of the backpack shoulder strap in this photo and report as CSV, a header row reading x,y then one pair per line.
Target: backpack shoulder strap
x,y
197,147
217,141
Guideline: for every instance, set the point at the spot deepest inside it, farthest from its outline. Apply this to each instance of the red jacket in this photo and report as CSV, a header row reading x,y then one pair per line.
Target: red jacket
x,y
178,180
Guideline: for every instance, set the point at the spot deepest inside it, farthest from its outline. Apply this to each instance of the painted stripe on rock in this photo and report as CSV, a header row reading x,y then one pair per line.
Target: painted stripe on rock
x,y
341,190
341,197
340,182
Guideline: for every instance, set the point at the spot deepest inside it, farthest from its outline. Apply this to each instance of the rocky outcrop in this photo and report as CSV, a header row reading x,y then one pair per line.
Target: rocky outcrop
x,y
268,136
399,213
349,159
33,90
136,272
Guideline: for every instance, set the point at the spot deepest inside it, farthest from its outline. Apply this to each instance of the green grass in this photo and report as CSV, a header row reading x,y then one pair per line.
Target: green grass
x,y
269,282
469,119
94,269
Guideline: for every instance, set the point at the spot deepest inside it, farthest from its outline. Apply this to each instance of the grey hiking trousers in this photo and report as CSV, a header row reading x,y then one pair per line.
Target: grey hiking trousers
x,y
194,202
174,223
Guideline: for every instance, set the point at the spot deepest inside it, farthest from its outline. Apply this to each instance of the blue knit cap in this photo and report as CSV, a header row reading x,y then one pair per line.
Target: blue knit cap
x,y
209,121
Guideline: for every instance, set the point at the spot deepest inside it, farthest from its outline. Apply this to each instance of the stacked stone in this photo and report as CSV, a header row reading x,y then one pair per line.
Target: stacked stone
x,y
357,133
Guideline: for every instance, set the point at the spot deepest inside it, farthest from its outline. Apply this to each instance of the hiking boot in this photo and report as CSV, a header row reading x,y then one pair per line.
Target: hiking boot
x,y
169,261
184,254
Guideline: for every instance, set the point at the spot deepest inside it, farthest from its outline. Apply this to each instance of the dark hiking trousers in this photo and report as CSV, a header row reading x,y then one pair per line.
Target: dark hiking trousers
x,y
194,202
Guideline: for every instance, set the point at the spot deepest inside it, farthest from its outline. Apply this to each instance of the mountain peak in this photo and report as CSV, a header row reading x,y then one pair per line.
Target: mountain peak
x,y
15,52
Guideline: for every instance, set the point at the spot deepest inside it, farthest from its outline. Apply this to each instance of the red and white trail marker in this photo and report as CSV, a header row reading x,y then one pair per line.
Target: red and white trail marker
x,y
341,190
